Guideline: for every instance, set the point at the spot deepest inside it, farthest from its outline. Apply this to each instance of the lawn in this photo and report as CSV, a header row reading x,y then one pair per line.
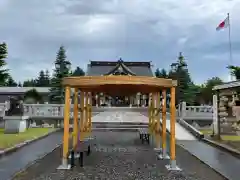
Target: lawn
x,y
9,140
206,131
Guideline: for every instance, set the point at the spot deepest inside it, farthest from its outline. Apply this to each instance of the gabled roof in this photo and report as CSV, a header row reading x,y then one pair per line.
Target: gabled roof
x,y
98,68
121,67
23,89
228,85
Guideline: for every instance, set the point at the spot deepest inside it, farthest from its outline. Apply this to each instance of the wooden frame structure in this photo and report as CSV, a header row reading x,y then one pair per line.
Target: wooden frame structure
x,y
118,85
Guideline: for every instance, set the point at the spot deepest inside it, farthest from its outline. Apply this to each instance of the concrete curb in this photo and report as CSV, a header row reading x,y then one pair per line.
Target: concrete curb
x,y
199,135
21,145
222,147
33,162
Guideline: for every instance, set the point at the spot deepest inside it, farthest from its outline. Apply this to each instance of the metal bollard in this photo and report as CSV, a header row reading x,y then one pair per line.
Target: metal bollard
x,y
72,159
88,150
81,159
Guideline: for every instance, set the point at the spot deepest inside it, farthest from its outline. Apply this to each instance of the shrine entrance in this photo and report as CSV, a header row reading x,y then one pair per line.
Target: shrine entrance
x,y
117,86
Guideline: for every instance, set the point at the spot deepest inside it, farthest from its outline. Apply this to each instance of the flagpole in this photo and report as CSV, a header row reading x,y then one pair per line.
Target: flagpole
x,y
230,44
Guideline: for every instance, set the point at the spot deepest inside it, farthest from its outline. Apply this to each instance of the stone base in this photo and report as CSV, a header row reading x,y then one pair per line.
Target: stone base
x,y
64,165
15,124
160,156
173,166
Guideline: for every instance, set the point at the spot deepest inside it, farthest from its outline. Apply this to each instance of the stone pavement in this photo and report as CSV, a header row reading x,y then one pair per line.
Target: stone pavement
x,y
120,156
12,163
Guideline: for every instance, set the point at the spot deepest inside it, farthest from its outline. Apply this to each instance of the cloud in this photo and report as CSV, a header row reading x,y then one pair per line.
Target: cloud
x,y
136,30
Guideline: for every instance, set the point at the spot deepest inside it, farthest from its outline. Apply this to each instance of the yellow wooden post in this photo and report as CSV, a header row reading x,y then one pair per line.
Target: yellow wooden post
x,y
164,135
153,113
150,113
82,97
66,126
173,165
86,107
75,118
90,113
157,118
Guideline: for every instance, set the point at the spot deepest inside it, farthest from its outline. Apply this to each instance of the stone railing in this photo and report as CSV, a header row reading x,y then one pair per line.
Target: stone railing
x,y
57,110
40,110
194,112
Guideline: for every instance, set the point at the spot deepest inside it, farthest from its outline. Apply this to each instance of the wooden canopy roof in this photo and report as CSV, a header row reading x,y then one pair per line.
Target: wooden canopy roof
x,y
122,85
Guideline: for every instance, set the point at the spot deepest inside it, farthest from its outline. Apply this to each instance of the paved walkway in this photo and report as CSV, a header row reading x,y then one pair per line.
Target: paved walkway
x,y
121,157
14,162
135,155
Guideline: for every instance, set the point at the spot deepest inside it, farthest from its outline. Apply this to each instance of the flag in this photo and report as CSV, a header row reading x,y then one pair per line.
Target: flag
x,y
223,24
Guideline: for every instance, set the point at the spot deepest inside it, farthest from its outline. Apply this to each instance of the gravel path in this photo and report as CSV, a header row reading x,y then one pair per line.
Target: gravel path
x,y
119,156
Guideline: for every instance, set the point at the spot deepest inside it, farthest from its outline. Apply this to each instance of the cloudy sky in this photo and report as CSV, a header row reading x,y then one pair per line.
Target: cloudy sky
x,y
136,30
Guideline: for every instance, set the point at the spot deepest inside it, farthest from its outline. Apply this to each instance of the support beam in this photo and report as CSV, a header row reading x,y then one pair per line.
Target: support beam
x,y
64,164
164,127
157,119
90,113
75,118
150,111
82,97
173,164
86,114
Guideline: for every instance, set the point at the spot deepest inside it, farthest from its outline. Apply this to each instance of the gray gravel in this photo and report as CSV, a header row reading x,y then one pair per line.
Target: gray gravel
x,y
119,156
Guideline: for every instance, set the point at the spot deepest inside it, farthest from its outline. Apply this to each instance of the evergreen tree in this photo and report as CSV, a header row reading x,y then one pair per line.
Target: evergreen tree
x,y
185,89
78,72
29,83
161,74
19,84
3,72
10,82
62,69
47,78
43,79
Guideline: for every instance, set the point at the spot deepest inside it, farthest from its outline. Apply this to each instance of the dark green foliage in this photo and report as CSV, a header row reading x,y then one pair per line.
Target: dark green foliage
x,y
185,89
161,74
78,72
43,79
235,71
30,83
61,70
3,72
10,82
33,93
206,89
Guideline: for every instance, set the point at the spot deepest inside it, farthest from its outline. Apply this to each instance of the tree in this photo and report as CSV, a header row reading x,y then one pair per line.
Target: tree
x,y
43,79
29,83
62,69
78,72
32,96
161,74
10,82
3,72
235,71
185,89
19,84
206,90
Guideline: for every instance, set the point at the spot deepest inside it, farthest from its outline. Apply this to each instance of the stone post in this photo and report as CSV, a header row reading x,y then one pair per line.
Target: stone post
x,y
215,115
96,98
183,110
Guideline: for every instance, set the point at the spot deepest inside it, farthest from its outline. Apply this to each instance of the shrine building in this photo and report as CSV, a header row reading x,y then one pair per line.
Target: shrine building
x,y
119,68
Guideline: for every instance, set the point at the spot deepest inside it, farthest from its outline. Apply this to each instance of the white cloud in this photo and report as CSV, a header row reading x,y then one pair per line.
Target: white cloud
x,y
108,29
